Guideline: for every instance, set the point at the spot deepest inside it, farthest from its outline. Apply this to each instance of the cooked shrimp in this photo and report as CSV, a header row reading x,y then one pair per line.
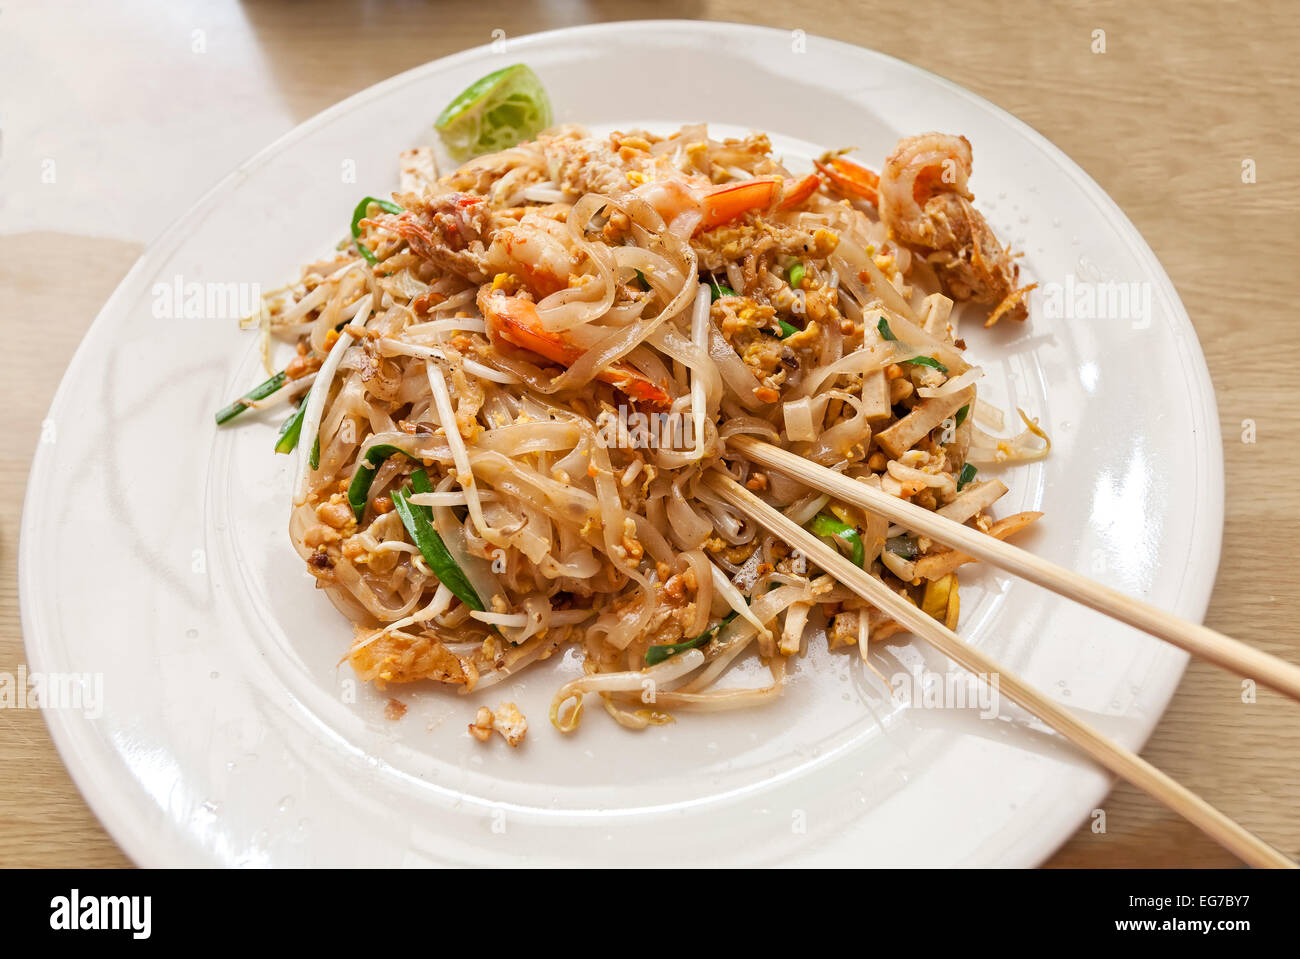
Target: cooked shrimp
x,y
676,200
925,202
850,178
513,320
537,251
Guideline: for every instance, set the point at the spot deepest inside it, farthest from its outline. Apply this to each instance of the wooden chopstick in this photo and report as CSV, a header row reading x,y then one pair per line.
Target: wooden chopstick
x,y
1120,761
1196,639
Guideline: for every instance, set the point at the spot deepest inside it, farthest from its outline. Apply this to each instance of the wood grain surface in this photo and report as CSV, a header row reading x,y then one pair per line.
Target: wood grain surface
x,y
1163,120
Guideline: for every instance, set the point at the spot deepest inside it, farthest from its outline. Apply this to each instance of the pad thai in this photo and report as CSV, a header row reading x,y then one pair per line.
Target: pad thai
x,y
513,378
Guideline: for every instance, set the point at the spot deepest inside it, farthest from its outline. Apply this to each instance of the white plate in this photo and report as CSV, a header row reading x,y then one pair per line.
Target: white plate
x,y
154,549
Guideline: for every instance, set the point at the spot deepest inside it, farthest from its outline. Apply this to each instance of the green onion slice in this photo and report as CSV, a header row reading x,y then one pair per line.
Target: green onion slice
x,y
927,361
967,474
887,333
657,654
359,214
359,488
419,526
288,438
259,392
826,525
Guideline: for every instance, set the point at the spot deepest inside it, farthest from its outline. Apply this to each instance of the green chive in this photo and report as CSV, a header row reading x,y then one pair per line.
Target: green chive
x,y
420,528
887,333
927,361
288,438
314,459
967,474
787,329
420,484
796,275
717,289
259,392
657,654
961,414
359,214
359,488
645,284
828,526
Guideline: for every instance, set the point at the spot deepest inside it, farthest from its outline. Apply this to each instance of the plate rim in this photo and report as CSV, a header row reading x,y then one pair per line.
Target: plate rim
x,y
70,732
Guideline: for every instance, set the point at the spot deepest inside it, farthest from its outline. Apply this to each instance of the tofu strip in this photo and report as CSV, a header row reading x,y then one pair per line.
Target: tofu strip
x,y
974,498
925,416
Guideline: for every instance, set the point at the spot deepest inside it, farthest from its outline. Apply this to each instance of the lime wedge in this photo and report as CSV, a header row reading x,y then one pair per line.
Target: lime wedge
x,y
495,112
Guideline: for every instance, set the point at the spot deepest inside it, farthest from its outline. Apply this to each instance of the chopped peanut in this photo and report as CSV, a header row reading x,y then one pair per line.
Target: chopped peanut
x,y
506,719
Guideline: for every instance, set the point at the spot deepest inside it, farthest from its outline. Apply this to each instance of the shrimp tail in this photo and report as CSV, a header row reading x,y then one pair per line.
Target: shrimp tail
x,y
850,178
513,320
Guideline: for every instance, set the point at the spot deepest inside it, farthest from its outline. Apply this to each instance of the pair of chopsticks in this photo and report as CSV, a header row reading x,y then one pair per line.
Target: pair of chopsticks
x,y
1194,638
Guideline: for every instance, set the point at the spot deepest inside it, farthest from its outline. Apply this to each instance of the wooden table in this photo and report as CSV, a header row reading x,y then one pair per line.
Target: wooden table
x,y
1163,120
